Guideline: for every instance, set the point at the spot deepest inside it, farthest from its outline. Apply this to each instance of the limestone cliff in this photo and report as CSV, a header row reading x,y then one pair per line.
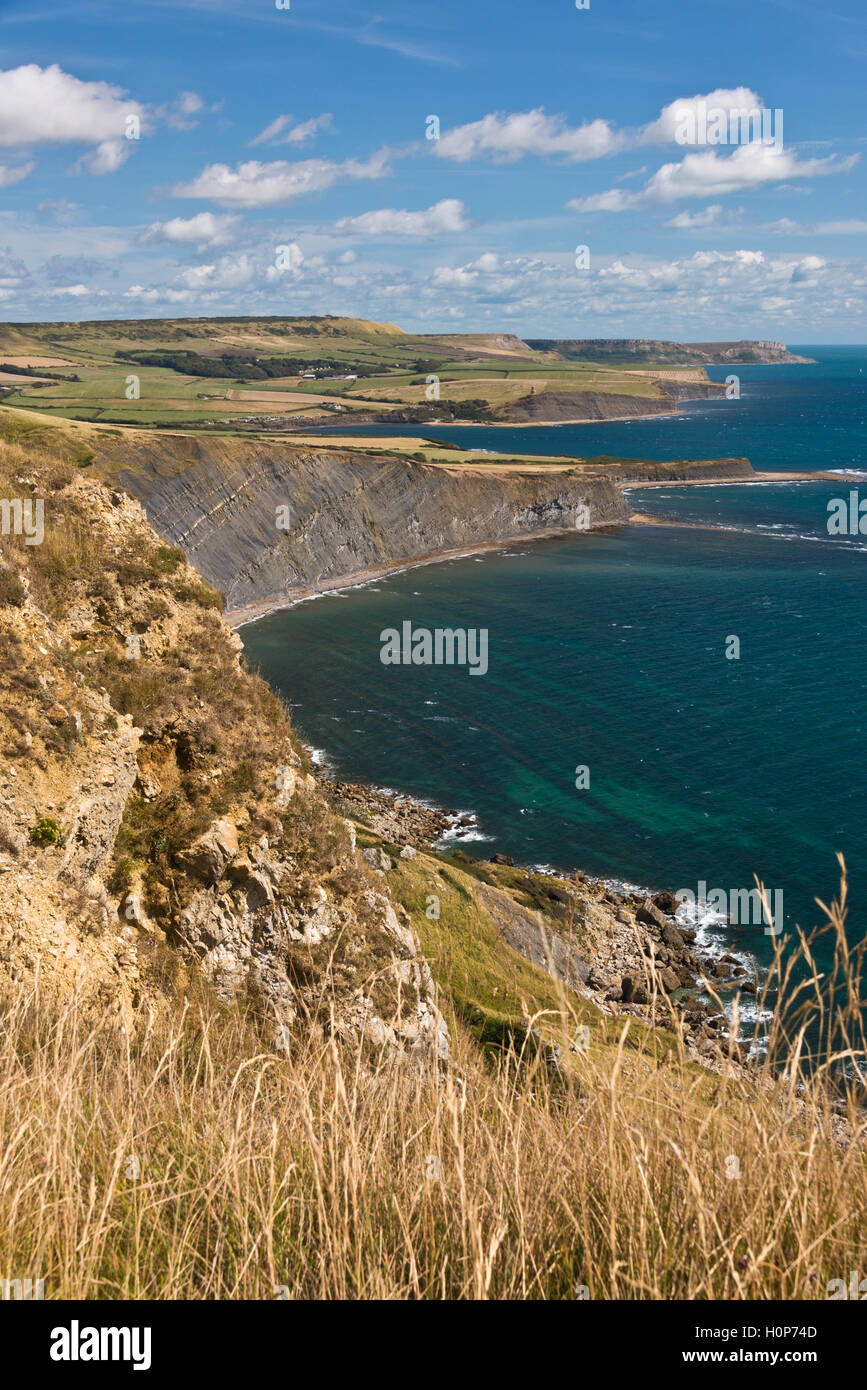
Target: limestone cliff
x,y
156,811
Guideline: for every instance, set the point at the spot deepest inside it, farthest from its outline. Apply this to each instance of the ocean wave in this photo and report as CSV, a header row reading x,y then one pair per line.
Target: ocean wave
x,y
463,827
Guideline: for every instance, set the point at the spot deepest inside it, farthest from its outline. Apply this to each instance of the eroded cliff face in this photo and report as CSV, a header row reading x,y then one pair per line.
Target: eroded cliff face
x,y
559,407
267,520
157,815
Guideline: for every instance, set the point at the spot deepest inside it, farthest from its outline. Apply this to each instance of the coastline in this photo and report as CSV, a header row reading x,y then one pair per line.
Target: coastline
x,y
252,612
654,960
528,424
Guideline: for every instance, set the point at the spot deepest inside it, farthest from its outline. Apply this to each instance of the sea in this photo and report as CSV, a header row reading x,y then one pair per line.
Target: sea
x,y
667,706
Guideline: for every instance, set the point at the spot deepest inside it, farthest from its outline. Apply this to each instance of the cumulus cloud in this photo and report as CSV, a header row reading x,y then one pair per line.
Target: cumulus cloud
x,y
445,216
288,260
507,138
69,291
462,276
203,229
708,294
255,185
164,295
14,173
229,273
710,217
47,105
663,130
710,174
106,158
297,134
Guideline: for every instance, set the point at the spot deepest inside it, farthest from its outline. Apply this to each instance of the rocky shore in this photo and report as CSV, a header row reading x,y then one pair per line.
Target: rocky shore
x,y
395,818
650,964
637,956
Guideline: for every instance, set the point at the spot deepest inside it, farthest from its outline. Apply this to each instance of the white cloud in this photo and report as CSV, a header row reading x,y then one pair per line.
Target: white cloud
x,y
189,102
70,291
708,294
14,173
612,200
288,260
507,138
296,135
455,277
443,217
805,272
460,277
47,105
254,185
709,217
106,158
710,174
179,114
229,273
157,296
848,227
203,229
663,130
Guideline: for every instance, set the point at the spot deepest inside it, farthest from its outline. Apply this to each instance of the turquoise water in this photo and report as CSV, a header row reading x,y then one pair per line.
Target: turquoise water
x,y
609,651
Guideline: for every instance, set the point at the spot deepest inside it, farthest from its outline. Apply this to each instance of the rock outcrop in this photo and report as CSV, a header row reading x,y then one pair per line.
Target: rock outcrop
x,y
158,819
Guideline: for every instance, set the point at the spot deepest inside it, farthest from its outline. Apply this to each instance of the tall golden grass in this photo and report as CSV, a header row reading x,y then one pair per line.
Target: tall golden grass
x,y
196,1159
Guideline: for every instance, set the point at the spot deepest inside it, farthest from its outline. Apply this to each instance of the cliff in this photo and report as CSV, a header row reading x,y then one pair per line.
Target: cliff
x,y
265,520
657,350
560,407
159,821
157,816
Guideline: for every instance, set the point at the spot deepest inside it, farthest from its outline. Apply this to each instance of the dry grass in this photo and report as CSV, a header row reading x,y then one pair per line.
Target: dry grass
x,y
199,1160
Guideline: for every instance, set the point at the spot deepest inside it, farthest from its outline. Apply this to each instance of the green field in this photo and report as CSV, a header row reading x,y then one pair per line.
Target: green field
x,y
480,375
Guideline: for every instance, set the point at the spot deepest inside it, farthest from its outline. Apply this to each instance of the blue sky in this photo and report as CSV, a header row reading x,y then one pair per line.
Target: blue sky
x,y
279,163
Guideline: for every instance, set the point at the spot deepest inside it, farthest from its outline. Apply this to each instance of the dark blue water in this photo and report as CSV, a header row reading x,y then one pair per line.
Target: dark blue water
x,y
609,651
798,417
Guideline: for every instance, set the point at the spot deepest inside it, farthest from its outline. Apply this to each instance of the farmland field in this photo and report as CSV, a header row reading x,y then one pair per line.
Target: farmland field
x,y
218,372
